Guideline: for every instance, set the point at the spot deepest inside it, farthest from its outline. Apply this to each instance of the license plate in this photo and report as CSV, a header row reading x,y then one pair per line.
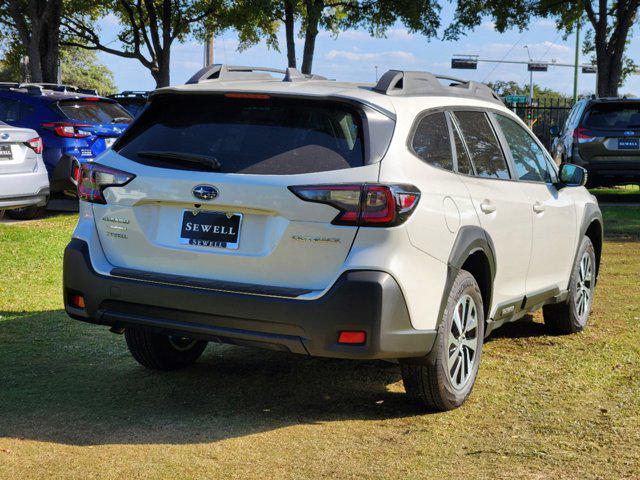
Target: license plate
x,y
211,229
629,144
5,152
109,142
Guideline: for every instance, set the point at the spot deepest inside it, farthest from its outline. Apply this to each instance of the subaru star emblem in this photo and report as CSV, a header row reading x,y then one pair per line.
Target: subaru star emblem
x,y
205,192
4,136
628,133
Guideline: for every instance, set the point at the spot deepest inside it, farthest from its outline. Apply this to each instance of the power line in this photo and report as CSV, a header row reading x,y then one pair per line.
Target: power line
x,y
505,56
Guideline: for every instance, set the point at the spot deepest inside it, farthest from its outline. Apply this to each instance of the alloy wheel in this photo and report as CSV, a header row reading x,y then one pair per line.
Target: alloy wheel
x,y
463,342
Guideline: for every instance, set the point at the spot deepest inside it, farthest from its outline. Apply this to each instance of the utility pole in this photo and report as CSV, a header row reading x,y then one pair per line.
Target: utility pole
x,y
208,50
575,68
530,78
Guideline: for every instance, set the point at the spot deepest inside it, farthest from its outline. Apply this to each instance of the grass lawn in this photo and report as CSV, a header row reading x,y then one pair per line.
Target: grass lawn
x,y
625,193
74,404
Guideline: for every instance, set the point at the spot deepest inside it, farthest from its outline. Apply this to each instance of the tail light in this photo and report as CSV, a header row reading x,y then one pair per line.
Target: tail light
x,y
35,144
583,135
75,172
94,178
365,205
67,129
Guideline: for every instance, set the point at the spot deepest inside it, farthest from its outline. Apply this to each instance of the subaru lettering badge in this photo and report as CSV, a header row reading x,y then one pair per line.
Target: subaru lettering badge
x,y
5,136
205,192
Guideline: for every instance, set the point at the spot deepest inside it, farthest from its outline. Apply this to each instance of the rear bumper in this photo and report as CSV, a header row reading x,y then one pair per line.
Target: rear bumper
x,y
613,170
61,176
359,300
36,200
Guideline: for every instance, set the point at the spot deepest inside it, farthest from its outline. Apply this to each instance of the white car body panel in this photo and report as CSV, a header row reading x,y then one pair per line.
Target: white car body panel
x,y
532,252
23,178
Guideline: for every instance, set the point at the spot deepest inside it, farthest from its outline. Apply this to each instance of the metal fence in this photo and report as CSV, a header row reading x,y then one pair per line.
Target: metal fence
x,y
543,115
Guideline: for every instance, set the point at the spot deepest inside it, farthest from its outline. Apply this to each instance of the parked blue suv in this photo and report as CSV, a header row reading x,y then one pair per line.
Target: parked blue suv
x,y
75,125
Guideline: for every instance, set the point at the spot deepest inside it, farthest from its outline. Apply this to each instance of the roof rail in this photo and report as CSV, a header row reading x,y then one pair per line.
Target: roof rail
x,y
243,73
8,85
408,83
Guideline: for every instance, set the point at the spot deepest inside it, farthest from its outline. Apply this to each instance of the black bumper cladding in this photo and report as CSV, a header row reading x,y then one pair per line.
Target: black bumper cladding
x,y
370,301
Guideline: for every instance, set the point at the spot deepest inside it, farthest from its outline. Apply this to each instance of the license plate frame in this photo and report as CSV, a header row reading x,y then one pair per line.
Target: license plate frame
x,y
209,237
6,154
629,144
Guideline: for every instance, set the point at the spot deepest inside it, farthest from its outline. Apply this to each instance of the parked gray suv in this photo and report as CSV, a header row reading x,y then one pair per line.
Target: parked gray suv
x,y
603,136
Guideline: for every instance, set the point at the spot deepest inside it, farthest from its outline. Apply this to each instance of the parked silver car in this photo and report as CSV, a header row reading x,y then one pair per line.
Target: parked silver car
x,y
24,184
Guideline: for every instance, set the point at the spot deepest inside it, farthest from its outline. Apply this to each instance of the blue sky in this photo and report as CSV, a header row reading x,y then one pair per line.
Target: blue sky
x,y
353,55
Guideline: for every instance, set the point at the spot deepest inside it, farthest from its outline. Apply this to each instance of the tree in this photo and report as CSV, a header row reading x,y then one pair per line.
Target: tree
x,y
37,24
509,87
82,68
611,22
149,28
339,15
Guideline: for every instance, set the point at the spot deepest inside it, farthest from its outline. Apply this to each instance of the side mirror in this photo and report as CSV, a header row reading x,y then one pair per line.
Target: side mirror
x,y
554,130
572,175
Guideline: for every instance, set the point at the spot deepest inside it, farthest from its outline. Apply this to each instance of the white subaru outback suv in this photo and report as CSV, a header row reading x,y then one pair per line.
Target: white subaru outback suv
x,y
400,221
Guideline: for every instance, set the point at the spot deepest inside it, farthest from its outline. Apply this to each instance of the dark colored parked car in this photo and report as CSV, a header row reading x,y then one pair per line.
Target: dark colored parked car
x,y
75,125
603,136
132,102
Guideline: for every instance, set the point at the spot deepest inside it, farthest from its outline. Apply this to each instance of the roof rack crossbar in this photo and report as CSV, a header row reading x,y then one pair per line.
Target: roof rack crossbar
x,y
243,73
408,83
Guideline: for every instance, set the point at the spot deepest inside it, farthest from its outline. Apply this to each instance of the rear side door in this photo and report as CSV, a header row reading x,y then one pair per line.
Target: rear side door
x,y
502,207
552,210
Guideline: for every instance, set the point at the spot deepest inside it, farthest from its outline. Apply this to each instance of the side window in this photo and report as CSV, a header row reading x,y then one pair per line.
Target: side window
x,y
529,158
464,162
431,141
483,145
9,110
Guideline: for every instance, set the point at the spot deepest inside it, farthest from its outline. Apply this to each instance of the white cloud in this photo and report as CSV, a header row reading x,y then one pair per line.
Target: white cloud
x,y
489,25
355,56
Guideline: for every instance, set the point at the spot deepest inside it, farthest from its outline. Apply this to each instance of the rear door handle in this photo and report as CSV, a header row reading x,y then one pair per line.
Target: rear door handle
x,y
487,207
538,207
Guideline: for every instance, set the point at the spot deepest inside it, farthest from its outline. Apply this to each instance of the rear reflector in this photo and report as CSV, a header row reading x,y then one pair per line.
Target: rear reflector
x,y
356,337
365,205
77,301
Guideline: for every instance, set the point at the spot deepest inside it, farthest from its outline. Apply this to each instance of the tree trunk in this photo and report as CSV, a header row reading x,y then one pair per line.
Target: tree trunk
x,y
50,43
289,24
314,11
33,54
162,75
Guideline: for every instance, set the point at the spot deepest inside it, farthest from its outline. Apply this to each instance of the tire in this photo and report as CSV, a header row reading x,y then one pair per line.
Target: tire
x,y
162,352
434,383
572,316
27,213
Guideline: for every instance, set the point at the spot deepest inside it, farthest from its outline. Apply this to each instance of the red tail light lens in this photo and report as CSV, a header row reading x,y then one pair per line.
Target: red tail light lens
x,y
94,178
355,337
35,144
365,205
67,129
583,135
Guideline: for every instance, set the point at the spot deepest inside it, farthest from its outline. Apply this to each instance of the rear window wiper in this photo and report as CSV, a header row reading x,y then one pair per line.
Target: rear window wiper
x,y
211,162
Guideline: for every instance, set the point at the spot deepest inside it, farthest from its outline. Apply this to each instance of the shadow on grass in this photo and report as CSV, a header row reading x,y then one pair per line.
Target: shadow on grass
x,y
523,328
67,382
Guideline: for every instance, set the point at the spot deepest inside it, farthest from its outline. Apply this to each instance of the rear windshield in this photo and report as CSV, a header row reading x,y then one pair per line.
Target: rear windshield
x,y
94,112
613,116
273,136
